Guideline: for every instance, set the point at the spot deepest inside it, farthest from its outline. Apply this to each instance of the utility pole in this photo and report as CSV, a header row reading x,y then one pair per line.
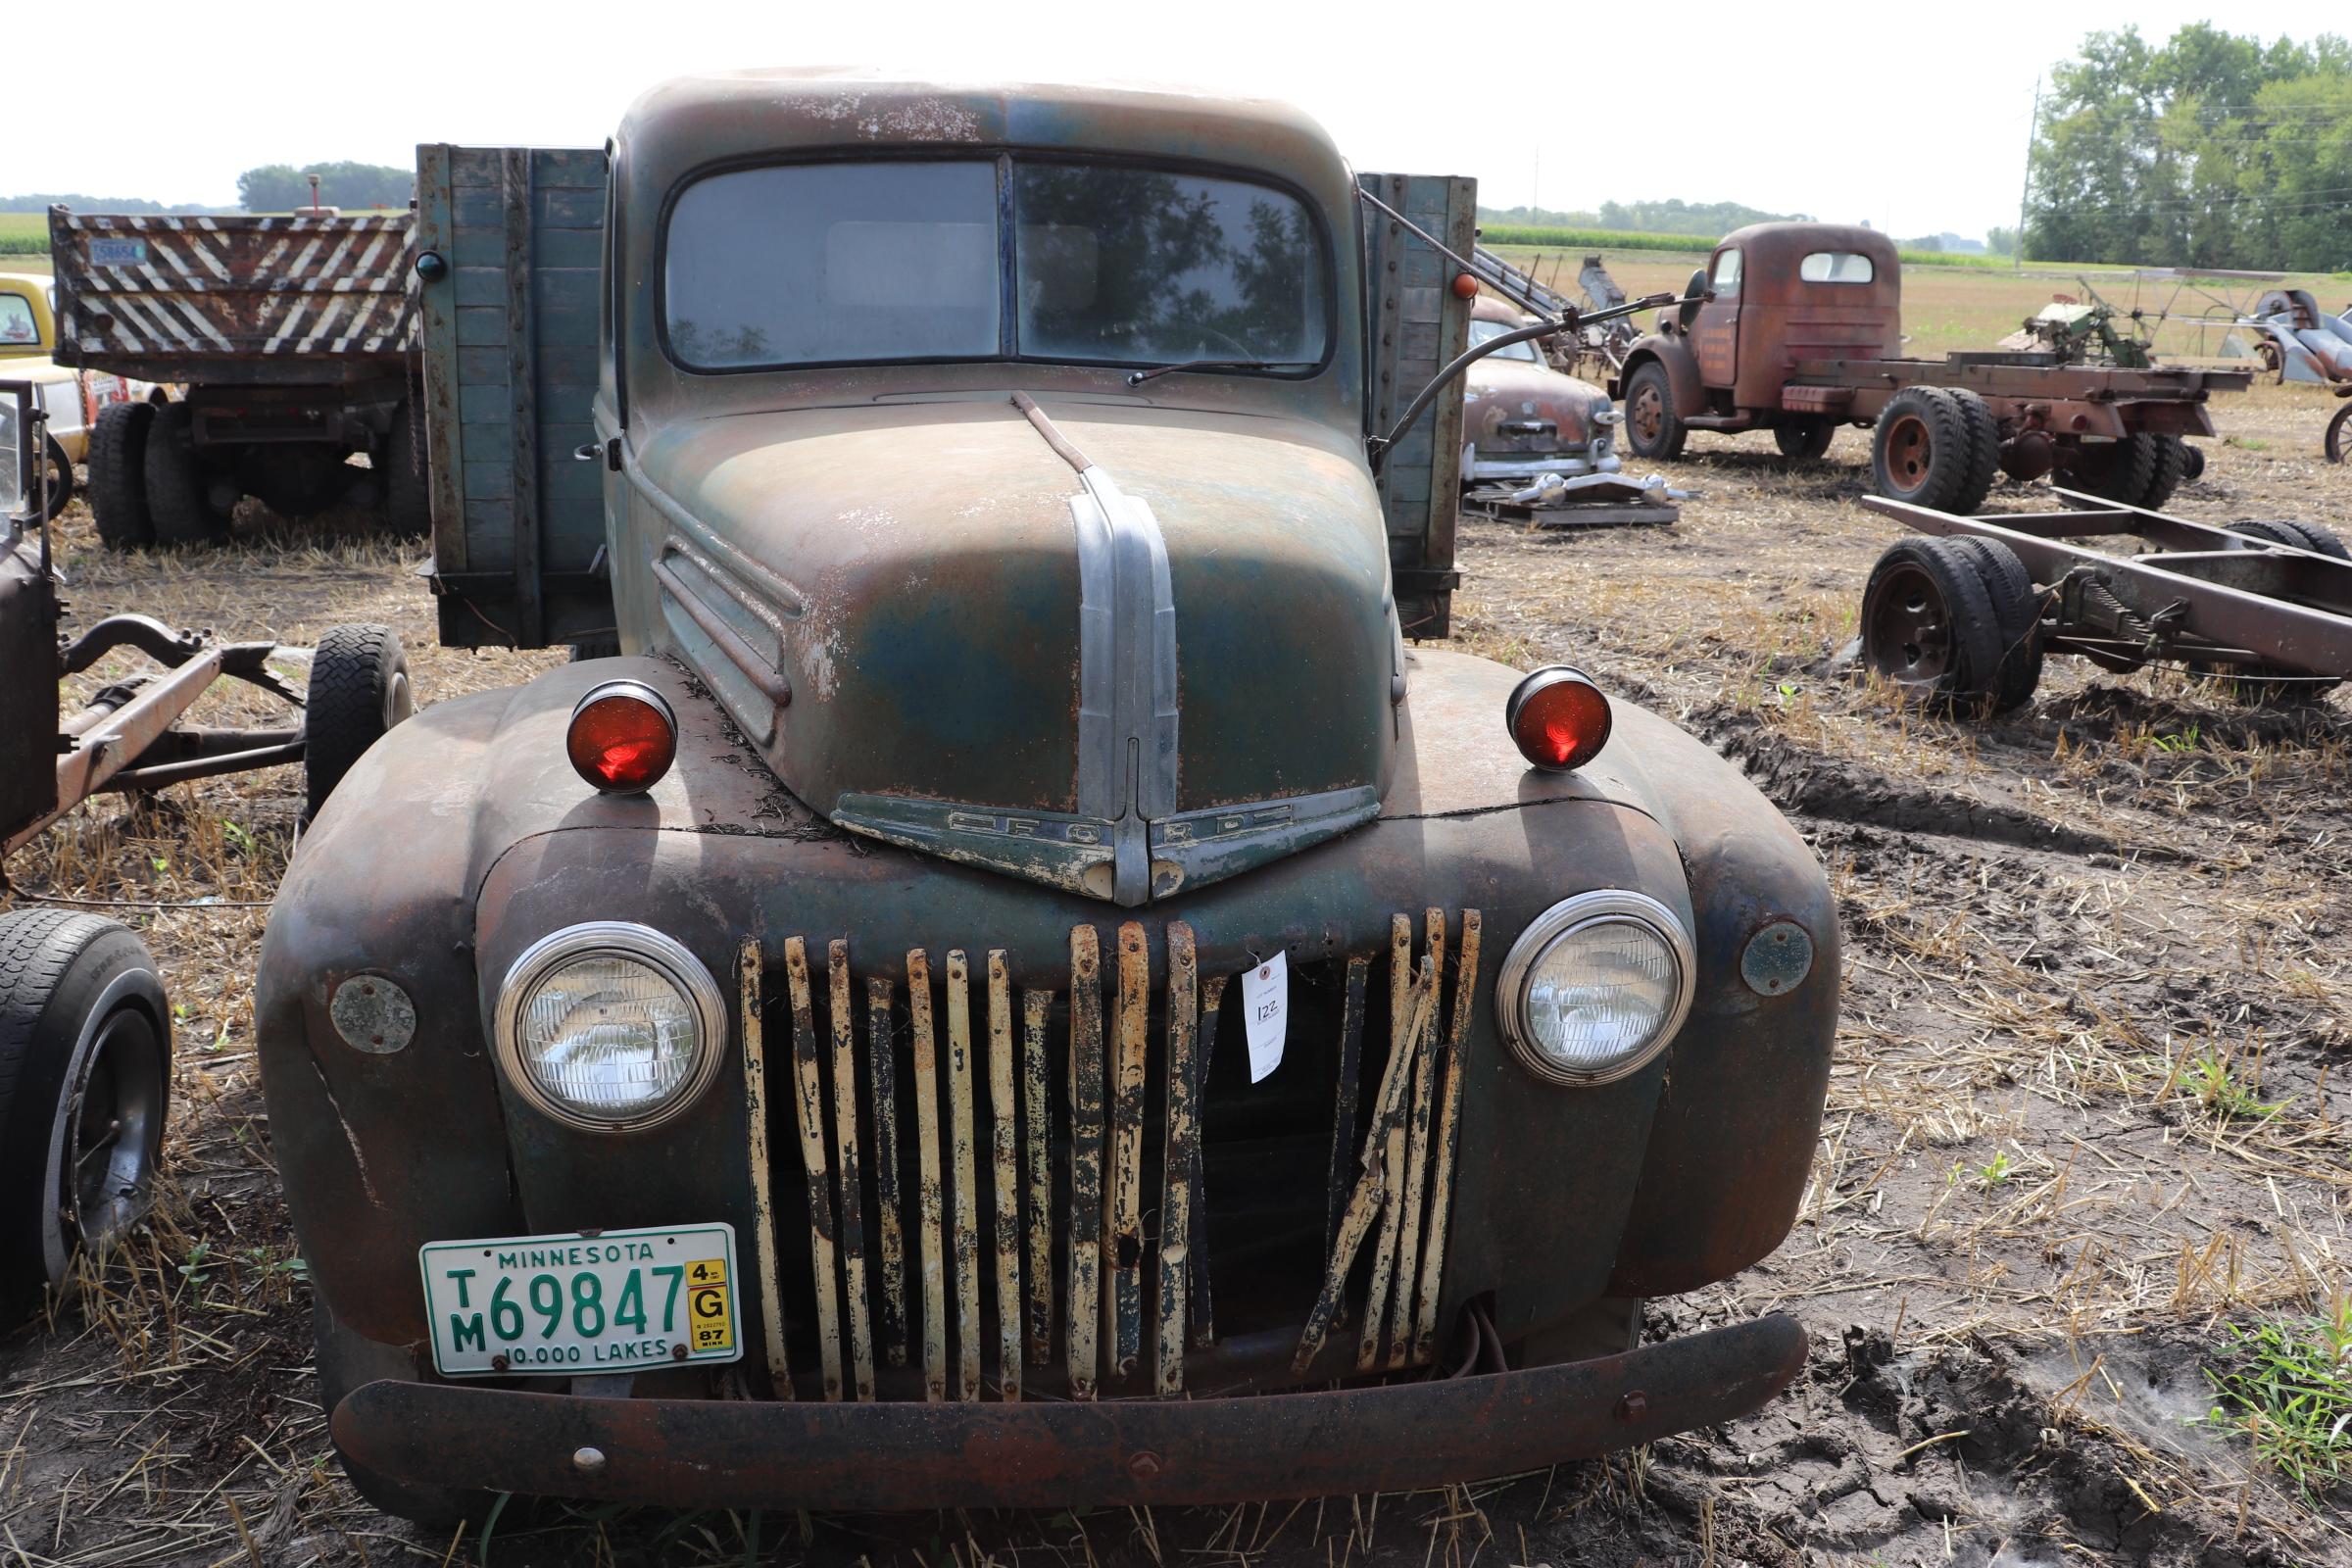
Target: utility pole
x,y
2025,192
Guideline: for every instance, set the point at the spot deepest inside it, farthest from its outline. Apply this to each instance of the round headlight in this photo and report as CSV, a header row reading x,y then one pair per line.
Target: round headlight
x,y
1596,987
610,1026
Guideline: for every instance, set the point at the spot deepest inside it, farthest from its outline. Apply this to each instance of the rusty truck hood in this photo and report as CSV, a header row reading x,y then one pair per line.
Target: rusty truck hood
x,y
1114,647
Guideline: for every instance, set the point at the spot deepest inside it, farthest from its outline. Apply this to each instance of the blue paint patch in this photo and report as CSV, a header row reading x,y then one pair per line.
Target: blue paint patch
x,y
117,252
1777,959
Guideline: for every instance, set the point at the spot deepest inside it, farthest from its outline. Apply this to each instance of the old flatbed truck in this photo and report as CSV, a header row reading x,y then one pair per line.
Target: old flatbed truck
x,y
1015,988
1798,328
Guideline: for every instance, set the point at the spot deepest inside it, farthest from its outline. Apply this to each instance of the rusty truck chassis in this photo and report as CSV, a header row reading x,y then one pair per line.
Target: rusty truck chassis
x,y
2201,593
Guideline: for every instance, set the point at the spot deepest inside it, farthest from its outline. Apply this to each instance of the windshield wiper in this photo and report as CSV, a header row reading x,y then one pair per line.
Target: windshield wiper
x,y
1139,378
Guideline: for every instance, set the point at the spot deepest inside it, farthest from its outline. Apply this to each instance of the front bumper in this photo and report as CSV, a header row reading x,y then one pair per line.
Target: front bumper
x,y
1516,466
914,1456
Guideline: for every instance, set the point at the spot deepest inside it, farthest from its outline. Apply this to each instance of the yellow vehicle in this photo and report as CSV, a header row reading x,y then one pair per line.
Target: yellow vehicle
x,y
73,400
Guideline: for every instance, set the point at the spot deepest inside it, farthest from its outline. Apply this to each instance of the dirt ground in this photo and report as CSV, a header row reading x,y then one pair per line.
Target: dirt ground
x,y
2086,1112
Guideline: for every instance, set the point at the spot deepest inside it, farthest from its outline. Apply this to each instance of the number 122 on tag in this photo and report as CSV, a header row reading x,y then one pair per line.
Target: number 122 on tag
x,y
1266,1010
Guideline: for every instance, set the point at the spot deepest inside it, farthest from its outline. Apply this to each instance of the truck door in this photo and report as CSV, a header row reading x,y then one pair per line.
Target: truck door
x,y
510,245
1716,332
1414,324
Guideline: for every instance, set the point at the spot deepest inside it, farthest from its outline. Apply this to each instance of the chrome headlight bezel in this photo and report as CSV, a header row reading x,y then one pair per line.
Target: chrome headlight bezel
x,y
1604,907
639,944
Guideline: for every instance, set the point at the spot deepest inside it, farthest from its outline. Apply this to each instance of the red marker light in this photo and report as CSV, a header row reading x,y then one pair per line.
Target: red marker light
x,y
1465,288
1559,719
622,738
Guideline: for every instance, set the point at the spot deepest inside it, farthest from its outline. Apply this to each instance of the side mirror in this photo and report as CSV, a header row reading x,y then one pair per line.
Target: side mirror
x,y
1695,294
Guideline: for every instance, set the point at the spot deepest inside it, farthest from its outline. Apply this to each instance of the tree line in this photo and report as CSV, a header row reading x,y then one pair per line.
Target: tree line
x,y
1710,219
2211,149
282,187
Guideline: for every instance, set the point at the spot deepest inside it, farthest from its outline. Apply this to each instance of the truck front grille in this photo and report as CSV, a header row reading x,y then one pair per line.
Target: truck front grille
x,y
993,1179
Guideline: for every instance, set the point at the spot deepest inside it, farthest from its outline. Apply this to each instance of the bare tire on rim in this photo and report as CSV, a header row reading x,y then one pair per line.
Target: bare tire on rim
x,y
2339,439
1926,452
1929,624
85,1080
1651,426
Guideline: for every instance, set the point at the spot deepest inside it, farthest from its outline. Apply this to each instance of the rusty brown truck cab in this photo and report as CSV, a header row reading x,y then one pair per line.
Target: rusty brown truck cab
x,y
1798,328
1015,987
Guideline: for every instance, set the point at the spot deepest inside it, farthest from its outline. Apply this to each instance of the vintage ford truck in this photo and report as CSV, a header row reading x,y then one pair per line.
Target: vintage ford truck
x,y
1016,987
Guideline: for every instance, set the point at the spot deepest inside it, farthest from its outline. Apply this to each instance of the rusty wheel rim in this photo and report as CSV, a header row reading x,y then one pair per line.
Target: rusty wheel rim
x,y
1910,449
1649,412
1907,631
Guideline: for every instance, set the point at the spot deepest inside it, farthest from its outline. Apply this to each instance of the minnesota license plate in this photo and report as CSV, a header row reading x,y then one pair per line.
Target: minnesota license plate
x,y
575,1306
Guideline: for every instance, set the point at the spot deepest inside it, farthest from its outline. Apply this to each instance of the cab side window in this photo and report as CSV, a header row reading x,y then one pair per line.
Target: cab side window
x,y
1726,281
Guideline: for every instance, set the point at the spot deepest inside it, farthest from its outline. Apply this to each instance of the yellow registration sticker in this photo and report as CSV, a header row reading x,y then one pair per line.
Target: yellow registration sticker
x,y
709,1309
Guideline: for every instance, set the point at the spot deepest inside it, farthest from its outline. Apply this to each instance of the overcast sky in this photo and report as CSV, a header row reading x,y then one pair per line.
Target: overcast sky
x,y
1912,114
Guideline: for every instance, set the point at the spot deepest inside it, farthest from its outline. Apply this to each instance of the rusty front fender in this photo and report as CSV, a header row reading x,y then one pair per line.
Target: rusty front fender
x,y
1682,371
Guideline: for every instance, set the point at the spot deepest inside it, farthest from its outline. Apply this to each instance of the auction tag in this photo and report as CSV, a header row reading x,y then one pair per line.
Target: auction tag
x,y
1266,1009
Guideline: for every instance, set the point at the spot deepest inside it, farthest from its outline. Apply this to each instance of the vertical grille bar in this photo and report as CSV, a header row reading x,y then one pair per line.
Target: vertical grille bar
x,y
882,1075
842,1014
1372,1185
1389,1128
1417,1159
1035,1005
1003,1135
967,1175
1450,1121
927,1191
809,1081
763,1186
1086,1156
1180,1152
1203,1313
1344,1164
1123,1235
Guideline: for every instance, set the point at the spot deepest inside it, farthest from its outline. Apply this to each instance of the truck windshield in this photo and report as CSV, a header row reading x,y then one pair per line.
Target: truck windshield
x,y
1488,331
811,264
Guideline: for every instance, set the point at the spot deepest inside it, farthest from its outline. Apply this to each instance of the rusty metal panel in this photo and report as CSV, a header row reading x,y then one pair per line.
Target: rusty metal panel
x,y
1450,1126
437,339
1123,1218
764,1192
1406,1017
1343,1167
1416,1162
928,1188
1180,1158
882,1073
1086,1216
965,1248
1201,1300
1003,1133
1037,1141
810,1102
842,1016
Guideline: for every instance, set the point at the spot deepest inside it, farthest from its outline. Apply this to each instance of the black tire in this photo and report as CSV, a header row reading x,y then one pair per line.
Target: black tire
x,y
2318,538
61,477
2168,469
1929,624
118,475
1985,447
1652,428
407,496
358,691
176,484
1923,451
1804,441
85,1082
2338,443
346,1361
2018,609
2192,462
2113,471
